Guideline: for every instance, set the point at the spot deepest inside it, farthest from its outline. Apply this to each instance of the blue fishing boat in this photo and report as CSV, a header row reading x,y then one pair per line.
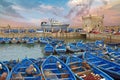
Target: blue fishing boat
x,y
53,43
99,43
118,49
71,47
1,40
36,39
57,40
82,70
48,49
19,71
60,48
3,70
109,67
49,38
31,31
43,40
54,69
22,40
63,58
40,60
81,46
14,40
30,41
113,56
113,44
25,39
7,40
33,60
114,53
10,64
109,49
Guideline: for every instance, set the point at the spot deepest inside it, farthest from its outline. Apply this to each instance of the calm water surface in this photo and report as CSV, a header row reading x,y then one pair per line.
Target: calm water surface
x,y
19,51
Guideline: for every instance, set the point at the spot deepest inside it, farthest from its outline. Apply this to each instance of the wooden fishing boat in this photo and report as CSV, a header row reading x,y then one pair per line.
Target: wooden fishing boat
x,y
1,39
53,43
99,43
14,40
63,57
54,69
23,40
10,64
48,49
3,70
107,66
7,40
93,46
81,46
30,41
71,47
43,40
60,48
19,71
113,56
113,44
82,70
35,39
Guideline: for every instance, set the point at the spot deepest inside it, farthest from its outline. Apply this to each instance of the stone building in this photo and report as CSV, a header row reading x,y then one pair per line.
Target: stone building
x,y
115,28
91,22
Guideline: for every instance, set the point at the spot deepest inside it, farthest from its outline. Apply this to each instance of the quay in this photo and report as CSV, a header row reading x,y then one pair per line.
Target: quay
x,y
44,34
111,38
72,35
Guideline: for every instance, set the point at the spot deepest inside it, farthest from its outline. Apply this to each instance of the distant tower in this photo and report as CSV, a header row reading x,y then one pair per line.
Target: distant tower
x,y
92,22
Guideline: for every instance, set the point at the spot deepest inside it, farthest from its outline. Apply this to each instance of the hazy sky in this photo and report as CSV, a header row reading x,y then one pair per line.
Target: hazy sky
x,y
32,12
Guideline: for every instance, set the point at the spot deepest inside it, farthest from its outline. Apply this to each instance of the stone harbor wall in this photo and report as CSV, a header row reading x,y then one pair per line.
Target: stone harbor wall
x,y
91,36
106,37
44,34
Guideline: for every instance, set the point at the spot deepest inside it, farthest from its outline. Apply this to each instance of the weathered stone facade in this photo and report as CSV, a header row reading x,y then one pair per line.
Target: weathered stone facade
x,y
93,22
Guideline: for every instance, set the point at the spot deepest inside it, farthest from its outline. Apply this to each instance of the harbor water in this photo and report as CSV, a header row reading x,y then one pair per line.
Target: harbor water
x,y
20,51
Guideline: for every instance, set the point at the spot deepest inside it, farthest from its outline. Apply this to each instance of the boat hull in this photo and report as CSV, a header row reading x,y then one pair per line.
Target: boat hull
x,y
76,65
21,68
109,67
55,72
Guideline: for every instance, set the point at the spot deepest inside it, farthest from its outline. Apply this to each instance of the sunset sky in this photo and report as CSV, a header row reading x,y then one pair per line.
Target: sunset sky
x,y
32,12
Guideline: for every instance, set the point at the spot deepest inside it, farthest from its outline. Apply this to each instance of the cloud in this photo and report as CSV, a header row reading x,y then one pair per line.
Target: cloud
x,y
37,5
73,3
35,21
115,7
51,9
18,8
105,2
12,23
7,9
111,13
79,8
82,7
28,4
